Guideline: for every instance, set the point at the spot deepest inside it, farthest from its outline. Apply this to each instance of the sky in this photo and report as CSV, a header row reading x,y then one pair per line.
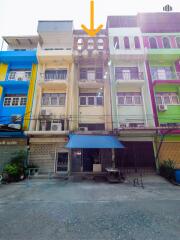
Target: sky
x,y
20,17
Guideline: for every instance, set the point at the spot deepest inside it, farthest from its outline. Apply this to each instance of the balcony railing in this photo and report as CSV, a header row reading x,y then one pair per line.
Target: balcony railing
x,y
169,76
130,76
55,77
19,75
86,80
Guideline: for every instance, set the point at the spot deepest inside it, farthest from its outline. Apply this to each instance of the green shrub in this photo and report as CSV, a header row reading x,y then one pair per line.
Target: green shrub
x,y
167,168
11,169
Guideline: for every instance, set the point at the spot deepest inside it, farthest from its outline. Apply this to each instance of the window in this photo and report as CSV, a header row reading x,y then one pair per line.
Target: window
x,y
99,73
126,43
178,42
7,101
116,42
137,42
19,75
167,98
53,99
129,98
100,44
90,44
23,101
126,73
90,99
55,74
152,42
83,73
80,44
14,100
90,75
166,42
82,100
162,73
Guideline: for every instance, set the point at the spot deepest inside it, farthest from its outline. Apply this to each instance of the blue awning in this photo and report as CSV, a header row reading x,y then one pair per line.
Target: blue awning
x,y
93,141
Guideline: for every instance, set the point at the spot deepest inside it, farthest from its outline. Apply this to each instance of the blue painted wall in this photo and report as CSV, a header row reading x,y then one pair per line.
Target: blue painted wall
x,y
16,60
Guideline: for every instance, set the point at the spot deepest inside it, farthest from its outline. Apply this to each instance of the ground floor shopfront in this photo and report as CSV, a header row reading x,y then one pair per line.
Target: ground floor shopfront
x,y
10,145
52,154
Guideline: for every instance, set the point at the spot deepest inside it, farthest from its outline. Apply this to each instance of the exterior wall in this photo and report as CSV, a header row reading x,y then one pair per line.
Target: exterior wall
x,y
170,149
128,113
3,70
30,97
173,112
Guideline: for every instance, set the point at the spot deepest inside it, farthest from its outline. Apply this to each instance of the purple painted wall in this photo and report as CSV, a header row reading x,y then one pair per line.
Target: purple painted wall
x,y
146,42
159,41
173,42
177,65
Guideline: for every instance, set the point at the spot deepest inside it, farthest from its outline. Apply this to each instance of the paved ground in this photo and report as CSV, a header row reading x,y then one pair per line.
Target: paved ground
x,y
56,209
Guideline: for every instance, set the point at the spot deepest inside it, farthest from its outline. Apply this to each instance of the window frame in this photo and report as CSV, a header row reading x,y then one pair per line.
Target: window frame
x,y
155,41
49,98
125,96
12,99
87,100
169,42
170,95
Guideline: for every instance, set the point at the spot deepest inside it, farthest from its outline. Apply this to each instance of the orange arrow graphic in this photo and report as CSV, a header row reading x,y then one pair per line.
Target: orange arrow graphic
x,y
92,31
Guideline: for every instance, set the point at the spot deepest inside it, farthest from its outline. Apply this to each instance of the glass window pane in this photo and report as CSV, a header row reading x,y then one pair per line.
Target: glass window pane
x,y
175,99
7,101
129,100
99,100
152,42
62,99
137,99
121,100
23,101
90,100
167,100
54,100
158,100
82,100
15,101
166,42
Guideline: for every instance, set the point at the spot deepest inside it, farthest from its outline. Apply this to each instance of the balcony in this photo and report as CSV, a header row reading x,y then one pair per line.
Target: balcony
x,y
53,80
19,76
163,54
171,78
50,125
91,83
129,78
54,54
128,54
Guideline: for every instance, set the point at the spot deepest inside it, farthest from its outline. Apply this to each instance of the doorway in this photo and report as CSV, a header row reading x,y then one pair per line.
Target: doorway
x,y
90,156
62,162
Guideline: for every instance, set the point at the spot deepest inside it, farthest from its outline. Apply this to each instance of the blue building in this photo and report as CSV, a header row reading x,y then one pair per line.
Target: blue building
x,y
18,69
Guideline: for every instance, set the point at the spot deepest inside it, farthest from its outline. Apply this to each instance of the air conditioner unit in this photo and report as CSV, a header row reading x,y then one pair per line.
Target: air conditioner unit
x,y
16,118
15,126
45,112
162,108
84,129
56,127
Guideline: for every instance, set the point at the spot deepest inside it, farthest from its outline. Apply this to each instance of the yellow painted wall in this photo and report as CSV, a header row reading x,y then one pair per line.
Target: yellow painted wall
x,y
30,97
170,150
3,70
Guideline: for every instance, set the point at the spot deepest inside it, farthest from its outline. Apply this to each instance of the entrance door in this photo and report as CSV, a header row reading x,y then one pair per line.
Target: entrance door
x,y
62,162
90,157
